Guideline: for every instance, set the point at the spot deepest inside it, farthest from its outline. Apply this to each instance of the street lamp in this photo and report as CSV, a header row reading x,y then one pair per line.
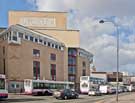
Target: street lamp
x,y
117,76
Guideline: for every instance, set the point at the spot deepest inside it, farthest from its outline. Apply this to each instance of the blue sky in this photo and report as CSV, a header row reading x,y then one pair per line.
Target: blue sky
x,y
6,5
100,39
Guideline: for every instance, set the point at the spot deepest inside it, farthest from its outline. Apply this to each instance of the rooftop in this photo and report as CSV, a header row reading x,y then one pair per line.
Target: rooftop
x,y
32,31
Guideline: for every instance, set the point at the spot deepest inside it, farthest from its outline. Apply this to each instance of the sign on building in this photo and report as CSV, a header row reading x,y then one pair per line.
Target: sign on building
x,y
38,21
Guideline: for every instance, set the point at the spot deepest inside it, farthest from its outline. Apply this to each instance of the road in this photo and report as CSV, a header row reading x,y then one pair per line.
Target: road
x,y
49,99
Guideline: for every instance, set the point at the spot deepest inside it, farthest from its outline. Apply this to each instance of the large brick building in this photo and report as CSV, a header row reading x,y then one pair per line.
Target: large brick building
x,y
38,45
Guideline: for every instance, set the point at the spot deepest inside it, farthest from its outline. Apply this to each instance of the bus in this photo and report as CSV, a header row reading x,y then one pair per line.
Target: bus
x,y
45,87
87,82
3,90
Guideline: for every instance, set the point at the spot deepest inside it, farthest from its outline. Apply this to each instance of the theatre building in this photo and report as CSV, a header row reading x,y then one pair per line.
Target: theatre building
x,y
38,45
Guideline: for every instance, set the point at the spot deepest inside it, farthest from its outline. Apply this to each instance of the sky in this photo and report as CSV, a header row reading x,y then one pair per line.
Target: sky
x,y
99,39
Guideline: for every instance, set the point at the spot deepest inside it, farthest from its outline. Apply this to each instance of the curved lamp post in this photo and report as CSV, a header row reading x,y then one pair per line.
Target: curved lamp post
x,y
117,76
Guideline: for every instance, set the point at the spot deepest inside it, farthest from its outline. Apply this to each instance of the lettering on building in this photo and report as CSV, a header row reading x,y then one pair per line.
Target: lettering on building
x,y
38,21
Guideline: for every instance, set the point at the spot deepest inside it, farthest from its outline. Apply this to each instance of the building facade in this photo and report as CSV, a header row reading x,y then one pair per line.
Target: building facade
x,y
129,80
37,45
102,75
109,77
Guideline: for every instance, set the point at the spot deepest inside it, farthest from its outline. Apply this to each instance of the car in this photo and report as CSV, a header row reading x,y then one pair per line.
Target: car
x,y
120,90
66,94
111,91
94,92
124,88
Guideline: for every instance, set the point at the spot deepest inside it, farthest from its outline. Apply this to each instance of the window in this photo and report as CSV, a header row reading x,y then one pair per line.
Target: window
x,y
17,85
84,85
84,78
4,66
40,40
10,35
83,72
71,78
36,69
71,64
2,83
71,60
31,38
59,47
48,43
13,85
53,56
20,35
71,70
14,37
35,86
56,46
44,42
36,53
52,45
83,64
53,71
72,52
26,37
36,40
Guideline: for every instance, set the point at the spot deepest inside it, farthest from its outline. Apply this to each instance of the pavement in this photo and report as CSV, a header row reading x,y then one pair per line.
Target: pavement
x,y
130,98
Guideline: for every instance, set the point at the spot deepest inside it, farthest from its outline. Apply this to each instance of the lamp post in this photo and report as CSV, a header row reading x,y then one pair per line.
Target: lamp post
x,y
117,75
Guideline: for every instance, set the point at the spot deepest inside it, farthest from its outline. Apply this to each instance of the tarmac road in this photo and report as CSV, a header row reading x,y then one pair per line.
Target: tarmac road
x,y
14,98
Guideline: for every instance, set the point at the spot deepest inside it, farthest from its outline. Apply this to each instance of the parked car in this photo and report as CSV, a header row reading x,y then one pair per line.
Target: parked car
x,y
120,90
124,88
111,91
94,92
66,94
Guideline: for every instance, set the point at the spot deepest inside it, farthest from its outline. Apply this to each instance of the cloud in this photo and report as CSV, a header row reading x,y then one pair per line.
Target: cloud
x,y
100,38
103,45
132,38
90,7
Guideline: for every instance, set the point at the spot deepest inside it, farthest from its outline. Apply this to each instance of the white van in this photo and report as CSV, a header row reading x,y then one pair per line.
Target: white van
x,y
104,89
130,88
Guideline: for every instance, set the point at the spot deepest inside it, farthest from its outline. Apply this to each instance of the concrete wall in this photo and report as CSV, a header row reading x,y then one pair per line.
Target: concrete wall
x,y
71,38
